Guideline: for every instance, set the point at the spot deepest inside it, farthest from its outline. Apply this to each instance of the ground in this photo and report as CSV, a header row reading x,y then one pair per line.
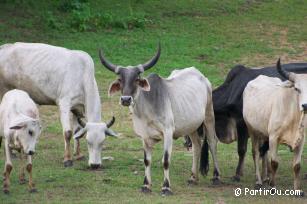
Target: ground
x,y
210,35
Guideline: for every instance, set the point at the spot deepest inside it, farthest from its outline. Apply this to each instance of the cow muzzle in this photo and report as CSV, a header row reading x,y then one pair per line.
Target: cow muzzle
x,y
126,100
95,166
31,152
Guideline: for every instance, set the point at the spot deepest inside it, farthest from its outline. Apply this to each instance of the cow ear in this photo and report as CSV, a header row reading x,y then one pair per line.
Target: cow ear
x,y
144,84
114,87
18,126
111,133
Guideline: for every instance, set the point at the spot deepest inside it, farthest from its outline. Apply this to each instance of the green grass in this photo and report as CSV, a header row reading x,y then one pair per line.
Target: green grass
x,y
210,35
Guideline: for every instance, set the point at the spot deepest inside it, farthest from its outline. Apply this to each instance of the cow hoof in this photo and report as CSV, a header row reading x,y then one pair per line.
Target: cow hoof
x,y
22,181
68,163
216,181
33,190
6,191
192,182
80,157
258,186
266,181
302,194
236,178
145,189
166,192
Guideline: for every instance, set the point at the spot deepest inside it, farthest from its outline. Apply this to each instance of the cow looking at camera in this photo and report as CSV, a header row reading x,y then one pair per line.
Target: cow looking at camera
x,y
166,109
20,129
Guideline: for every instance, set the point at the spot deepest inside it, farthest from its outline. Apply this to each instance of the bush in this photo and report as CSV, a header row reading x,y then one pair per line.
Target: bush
x,y
81,18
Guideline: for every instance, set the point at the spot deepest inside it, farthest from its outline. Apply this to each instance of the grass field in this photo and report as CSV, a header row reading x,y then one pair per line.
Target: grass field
x,y
208,34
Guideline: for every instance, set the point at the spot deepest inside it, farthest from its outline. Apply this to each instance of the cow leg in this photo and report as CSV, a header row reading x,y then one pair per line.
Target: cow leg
x,y
77,151
147,144
168,145
297,166
242,148
67,132
256,156
196,147
22,179
264,174
212,142
32,188
273,144
7,167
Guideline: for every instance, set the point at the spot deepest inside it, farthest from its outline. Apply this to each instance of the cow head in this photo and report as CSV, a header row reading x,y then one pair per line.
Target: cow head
x,y
25,132
299,81
95,136
129,80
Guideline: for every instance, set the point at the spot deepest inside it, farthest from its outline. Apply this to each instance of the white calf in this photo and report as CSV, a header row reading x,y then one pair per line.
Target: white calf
x,y
20,128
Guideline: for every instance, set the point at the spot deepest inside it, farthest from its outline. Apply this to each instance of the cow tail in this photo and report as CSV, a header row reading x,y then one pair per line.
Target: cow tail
x,y
204,158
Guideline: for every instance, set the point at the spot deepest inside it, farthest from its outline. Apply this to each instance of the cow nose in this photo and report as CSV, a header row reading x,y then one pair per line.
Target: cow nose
x,y
95,166
126,100
304,106
31,152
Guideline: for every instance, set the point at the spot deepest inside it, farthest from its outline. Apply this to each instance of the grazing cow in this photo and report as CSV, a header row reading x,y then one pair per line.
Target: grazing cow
x,y
167,109
275,111
228,104
58,76
20,128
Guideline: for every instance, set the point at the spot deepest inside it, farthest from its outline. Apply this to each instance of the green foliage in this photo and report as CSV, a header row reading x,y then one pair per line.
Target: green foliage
x,y
83,18
208,34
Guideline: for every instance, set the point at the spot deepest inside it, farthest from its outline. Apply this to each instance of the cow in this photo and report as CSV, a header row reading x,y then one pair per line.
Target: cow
x,y
166,108
20,128
228,105
275,111
59,76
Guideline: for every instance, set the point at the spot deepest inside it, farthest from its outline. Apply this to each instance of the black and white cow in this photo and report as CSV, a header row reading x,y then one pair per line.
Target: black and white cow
x,y
167,108
228,106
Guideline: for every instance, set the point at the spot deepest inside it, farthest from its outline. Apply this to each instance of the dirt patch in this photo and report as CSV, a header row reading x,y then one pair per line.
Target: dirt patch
x,y
279,41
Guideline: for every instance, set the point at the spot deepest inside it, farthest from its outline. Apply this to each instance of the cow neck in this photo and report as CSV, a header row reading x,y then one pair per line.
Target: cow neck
x,y
92,101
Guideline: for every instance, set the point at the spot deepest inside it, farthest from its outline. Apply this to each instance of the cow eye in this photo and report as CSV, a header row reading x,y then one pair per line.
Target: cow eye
x,y
297,89
30,132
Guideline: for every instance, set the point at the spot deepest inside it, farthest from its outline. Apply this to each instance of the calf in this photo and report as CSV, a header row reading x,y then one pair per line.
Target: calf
x,y
20,128
275,111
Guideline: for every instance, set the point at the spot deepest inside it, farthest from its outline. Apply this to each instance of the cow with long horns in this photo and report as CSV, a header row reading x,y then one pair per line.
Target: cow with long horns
x,y
58,76
275,111
167,108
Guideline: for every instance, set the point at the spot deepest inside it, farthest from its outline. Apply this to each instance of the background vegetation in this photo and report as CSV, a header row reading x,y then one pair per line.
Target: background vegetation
x,y
209,34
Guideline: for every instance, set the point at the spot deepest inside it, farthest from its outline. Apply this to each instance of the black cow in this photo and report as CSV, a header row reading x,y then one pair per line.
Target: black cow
x,y
228,105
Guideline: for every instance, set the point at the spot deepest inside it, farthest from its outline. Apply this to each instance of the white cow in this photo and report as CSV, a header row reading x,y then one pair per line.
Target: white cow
x,y
58,76
20,128
166,109
275,111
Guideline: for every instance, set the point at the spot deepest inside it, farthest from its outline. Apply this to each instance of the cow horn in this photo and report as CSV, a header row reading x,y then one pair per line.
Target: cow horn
x,y
106,63
282,72
111,122
153,60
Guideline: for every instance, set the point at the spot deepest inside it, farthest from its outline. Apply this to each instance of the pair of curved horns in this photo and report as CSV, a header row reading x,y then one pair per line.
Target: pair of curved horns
x,y
145,66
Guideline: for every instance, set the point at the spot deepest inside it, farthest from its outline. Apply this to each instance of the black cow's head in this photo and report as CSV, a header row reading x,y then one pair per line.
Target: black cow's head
x,y
129,78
